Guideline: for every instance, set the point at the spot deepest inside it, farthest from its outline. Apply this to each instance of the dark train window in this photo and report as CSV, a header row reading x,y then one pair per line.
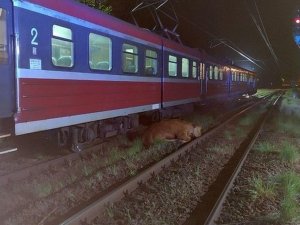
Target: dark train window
x,y
172,68
130,58
62,47
100,49
150,62
185,64
3,37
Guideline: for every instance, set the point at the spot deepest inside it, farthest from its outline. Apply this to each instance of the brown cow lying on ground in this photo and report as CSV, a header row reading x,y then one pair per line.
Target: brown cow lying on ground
x,y
170,129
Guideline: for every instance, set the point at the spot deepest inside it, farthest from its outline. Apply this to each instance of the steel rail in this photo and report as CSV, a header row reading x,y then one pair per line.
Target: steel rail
x,y
43,165
216,211
91,211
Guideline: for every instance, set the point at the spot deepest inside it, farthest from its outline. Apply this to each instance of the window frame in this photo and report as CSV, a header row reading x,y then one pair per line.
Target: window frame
x,y
135,58
175,62
211,73
195,66
153,59
216,73
61,39
202,71
110,52
185,68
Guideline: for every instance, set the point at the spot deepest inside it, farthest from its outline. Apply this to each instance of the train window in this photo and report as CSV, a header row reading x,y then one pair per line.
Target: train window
x,y
172,66
216,73
3,37
185,67
150,62
100,49
221,74
130,58
211,72
62,47
194,69
202,71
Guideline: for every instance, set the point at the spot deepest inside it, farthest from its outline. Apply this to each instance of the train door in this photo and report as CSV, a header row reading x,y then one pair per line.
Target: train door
x,y
7,79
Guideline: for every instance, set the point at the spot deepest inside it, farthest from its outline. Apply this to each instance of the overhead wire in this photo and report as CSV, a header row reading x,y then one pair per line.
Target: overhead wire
x,y
241,53
261,28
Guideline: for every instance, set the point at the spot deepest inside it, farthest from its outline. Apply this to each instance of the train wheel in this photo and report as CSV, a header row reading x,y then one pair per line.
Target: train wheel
x,y
63,137
83,136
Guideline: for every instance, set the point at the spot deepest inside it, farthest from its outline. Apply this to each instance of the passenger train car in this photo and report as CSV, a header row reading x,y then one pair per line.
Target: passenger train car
x,y
69,67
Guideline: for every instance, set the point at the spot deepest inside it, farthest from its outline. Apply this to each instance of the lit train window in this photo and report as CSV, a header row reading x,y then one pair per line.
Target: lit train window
x,y
130,58
151,62
216,73
211,70
185,67
202,71
172,69
62,47
3,37
194,69
100,49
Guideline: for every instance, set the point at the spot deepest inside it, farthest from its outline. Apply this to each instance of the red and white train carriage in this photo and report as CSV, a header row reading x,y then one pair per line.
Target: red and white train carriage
x,y
66,66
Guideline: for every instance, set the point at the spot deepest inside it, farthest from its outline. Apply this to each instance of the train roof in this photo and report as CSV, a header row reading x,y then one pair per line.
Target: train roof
x,y
81,11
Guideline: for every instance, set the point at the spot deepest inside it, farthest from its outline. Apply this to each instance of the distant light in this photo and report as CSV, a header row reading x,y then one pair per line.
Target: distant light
x,y
297,20
297,39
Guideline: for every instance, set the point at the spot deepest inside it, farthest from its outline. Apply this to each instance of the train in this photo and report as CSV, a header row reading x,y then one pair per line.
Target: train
x,y
75,70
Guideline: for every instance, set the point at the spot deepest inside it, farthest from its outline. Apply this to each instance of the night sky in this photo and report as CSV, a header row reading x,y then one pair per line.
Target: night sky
x,y
202,23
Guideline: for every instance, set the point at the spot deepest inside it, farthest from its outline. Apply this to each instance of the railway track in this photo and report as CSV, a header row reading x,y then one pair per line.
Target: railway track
x,y
126,186
92,210
36,168
213,201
